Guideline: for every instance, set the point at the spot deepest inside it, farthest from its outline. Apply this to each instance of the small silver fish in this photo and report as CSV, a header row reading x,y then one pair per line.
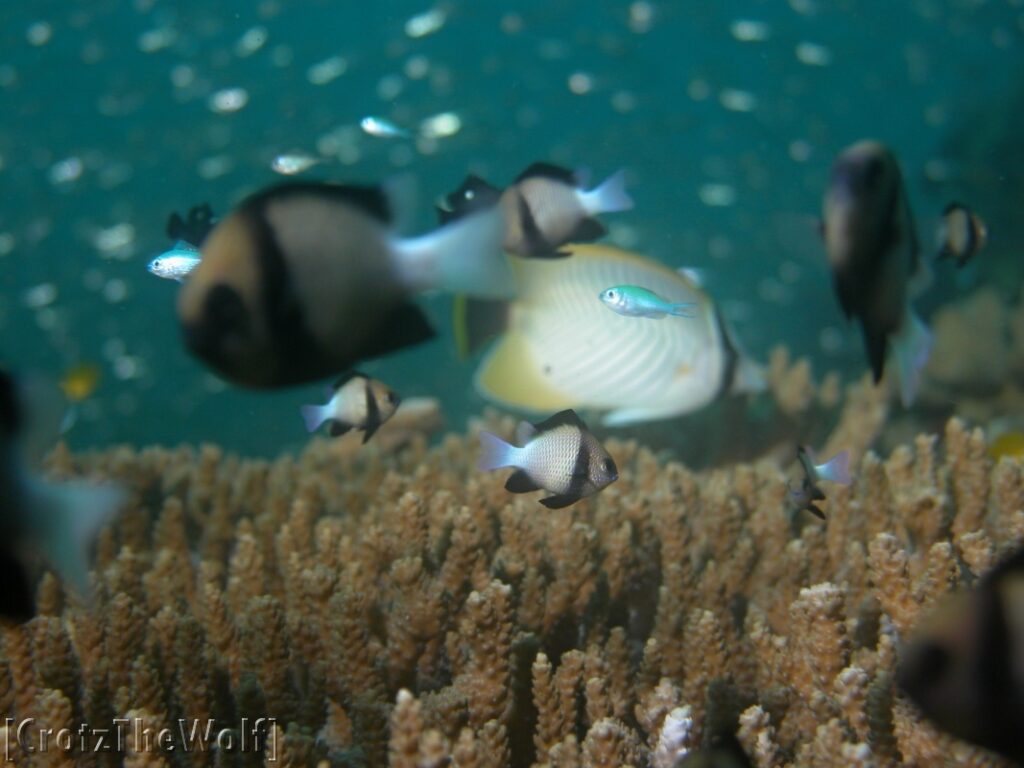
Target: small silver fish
x,y
961,234
294,163
176,263
357,402
835,470
559,455
383,128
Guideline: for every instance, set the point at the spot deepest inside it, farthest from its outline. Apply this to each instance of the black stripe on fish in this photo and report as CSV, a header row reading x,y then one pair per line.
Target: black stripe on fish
x,y
297,354
373,420
533,239
17,602
732,357
995,678
337,428
520,482
371,200
10,407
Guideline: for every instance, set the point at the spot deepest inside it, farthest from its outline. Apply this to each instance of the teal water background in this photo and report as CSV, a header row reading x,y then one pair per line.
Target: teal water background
x,y
123,89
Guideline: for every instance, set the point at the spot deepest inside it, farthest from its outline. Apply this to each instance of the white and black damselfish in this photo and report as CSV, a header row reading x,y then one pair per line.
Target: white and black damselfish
x,y
559,455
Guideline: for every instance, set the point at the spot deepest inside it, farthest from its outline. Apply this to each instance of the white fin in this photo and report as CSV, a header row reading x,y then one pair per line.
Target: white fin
x,y
464,256
495,453
911,347
609,197
836,469
749,376
622,417
314,416
64,519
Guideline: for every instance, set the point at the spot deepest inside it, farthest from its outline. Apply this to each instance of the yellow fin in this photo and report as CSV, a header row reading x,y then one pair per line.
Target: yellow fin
x,y
510,375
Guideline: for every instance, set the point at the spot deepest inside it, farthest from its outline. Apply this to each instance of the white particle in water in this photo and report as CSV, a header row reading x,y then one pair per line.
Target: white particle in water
x,y
750,30
623,101
6,243
115,291
251,41
717,195
426,23
327,70
40,296
39,33
417,67
800,151
66,171
153,40
698,89
581,83
441,126
736,100
390,87
830,339
228,100
813,55
215,167
641,16
182,76
115,242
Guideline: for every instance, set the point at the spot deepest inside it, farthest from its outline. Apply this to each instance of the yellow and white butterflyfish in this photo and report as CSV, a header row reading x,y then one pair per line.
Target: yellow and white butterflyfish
x,y
559,346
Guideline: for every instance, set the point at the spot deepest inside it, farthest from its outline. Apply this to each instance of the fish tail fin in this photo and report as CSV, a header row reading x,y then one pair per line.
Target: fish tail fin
x,y
682,309
608,197
477,321
464,256
66,517
495,453
911,348
836,469
313,416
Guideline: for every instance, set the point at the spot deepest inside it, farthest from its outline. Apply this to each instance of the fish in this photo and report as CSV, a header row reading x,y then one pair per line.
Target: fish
x,y
1010,444
634,301
357,402
293,163
558,348
874,253
176,263
303,280
383,128
961,234
962,664
558,455
80,381
55,521
545,208
193,227
835,470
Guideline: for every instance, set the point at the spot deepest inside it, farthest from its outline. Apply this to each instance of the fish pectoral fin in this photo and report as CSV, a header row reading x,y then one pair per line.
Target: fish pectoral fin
x,y
338,428
520,482
815,510
588,230
559,501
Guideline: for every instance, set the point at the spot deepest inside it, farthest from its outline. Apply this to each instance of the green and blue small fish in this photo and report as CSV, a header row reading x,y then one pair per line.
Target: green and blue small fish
x,y
357,402
634,301
559,455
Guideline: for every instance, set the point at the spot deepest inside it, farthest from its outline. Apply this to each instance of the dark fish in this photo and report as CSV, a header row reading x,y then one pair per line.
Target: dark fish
x,y
55,521
835,470
357,402
545,208
875,258
559,455
964,666
961,234
304,280
194,227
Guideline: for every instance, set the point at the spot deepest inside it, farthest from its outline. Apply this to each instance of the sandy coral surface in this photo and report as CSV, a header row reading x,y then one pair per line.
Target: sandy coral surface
x,y
391,605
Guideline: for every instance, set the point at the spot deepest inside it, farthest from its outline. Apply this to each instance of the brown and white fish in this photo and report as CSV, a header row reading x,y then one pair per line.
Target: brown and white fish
x,y
964,665
961,234
357,402
545,208
874,254
558,455
304,280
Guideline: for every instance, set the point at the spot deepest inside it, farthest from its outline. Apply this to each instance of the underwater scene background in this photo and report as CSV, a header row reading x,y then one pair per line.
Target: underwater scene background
x,y
726,117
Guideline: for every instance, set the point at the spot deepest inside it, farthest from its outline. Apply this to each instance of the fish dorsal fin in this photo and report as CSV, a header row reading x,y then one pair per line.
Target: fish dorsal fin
x,y
194,228
473,195
525,431
346,377
548,171
371,200
564,418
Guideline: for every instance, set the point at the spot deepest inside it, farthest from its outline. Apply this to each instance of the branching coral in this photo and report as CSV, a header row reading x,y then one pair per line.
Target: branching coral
x,y
397,607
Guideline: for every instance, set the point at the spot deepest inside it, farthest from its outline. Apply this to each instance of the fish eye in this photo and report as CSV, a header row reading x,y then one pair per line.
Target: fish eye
x,y
390,397
608,466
